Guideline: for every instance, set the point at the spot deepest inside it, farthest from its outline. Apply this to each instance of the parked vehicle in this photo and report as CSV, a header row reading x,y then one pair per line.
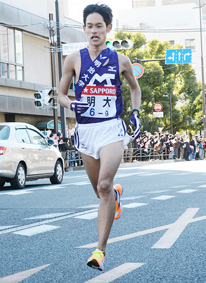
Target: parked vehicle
x,y
26,154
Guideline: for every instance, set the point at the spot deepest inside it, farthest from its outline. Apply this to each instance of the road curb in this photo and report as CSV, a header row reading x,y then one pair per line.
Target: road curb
x,y
133,164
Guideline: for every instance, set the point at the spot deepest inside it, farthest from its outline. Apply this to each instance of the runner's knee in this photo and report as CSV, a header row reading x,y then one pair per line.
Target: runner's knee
x,y
104,187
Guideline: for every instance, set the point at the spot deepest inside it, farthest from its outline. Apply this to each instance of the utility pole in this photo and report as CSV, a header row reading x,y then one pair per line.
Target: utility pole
x,y
62,110
53,70
171,125
202,68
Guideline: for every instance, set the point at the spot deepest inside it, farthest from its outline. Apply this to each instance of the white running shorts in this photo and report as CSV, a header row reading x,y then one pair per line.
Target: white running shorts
x,y
90,138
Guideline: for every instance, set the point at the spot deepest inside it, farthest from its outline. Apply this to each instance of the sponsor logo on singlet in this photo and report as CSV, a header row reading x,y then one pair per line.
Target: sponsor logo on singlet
x,y
101,99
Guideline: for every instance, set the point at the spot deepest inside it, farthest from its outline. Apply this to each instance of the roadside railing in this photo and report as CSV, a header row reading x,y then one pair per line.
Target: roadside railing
x,y
141,154
74,158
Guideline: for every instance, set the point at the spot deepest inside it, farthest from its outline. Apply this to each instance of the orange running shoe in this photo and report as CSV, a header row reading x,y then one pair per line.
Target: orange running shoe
x,y
96,260
119,191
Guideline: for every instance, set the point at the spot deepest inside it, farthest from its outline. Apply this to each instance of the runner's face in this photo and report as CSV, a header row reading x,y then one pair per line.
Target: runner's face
x,y
96,30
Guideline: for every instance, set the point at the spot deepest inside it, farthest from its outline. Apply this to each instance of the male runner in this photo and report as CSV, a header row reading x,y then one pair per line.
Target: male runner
x,y
99,132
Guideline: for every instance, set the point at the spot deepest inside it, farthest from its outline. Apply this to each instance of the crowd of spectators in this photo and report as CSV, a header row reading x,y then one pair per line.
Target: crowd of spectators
x,y
165,146
66,146
147,147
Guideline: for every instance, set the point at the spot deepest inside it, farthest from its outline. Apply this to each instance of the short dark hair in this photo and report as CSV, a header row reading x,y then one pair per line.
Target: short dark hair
x,y
102,9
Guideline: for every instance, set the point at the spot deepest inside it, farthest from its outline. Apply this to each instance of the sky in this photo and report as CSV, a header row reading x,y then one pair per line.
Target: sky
x,y
76,7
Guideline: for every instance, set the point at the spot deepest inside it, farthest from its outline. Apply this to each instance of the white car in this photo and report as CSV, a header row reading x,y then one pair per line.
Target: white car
x,y
25,155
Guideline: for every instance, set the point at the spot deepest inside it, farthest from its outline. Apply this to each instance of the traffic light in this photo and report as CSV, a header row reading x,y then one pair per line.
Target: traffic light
x,y
47,96
43,98
119,44
38,99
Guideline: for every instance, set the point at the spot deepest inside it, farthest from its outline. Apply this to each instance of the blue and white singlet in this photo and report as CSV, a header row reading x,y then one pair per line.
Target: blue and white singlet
x,y
102,91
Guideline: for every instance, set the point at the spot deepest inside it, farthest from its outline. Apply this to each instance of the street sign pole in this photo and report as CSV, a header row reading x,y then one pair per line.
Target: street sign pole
x,y
171,125
62,110
202,68
53,70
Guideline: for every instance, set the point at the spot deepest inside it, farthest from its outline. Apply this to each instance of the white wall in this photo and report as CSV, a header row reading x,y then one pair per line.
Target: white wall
x,y
173,16
41,8
37,66
37,7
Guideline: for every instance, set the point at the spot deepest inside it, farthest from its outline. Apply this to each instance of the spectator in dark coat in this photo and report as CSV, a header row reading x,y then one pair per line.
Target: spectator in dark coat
x,y
63,147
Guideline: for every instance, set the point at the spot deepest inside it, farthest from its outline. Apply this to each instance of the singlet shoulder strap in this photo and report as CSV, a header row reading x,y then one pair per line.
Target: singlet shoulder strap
x,y
92,67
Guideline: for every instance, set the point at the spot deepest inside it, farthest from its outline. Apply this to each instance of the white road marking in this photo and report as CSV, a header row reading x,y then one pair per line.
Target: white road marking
x,y
131,198
140,233
75,177
36,230
176,229
88,216
16,193
80,183
115,273
90,206
152,174
178,186
182,174
202,186
130,168
30,190
18,277
124,175
186,191
12,230
47,216
164,197
134,204
51,187
157,192
6,227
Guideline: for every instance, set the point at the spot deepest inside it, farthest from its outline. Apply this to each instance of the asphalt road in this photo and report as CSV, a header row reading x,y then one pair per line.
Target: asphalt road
x,y
47,232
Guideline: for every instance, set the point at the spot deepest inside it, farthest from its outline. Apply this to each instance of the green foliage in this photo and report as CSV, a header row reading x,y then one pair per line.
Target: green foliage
x,y
158,80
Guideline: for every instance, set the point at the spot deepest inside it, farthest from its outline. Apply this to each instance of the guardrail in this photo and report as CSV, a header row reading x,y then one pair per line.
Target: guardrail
x,y
74,159
142,154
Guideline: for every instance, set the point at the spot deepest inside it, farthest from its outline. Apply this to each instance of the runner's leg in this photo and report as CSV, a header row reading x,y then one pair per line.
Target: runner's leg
x,y
92,167
110,158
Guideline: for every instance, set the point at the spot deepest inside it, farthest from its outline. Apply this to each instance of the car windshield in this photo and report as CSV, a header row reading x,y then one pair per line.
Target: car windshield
x,y
4,132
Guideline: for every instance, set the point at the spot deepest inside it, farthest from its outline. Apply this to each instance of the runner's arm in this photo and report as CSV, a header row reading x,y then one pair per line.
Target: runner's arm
x,y
67,75
126,69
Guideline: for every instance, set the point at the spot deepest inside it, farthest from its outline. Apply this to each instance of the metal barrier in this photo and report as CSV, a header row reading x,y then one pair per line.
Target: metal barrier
x,y
73,158
141,154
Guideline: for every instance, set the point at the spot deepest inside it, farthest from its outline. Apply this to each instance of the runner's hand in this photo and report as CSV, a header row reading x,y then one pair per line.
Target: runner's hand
x,y
79,107
136,122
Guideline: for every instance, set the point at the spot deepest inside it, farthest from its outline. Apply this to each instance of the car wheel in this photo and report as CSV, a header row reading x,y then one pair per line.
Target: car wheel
x,y
58,174
2,184
18,182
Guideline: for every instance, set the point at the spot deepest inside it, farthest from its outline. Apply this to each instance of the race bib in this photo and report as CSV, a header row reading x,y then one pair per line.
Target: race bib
x,y
101,99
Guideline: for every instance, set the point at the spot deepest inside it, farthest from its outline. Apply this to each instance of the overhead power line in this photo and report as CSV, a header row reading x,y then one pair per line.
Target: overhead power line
x,y
148,30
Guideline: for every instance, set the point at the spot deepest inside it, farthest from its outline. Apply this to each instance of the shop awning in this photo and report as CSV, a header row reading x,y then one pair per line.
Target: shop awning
x,y
47,125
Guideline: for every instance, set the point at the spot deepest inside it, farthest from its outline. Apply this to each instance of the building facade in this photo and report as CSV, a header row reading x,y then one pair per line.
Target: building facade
x,y
25,58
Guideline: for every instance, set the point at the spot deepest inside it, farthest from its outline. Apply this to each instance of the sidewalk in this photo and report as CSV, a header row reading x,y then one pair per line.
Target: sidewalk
x,y
134,164
151,162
